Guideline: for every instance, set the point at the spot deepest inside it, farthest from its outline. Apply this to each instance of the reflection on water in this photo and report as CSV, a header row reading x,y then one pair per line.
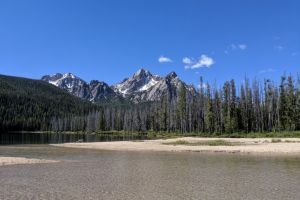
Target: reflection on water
x,y
54,138
95,174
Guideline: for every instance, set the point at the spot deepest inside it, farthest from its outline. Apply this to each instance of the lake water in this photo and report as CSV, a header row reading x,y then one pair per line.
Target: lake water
x,y
54,138
96,174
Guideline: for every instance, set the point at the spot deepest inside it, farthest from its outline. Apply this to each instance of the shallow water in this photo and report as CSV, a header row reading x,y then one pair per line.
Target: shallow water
x,y
54,138
95,174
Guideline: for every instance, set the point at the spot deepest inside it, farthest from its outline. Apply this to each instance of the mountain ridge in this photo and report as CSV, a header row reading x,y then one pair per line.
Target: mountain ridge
x,y
142,86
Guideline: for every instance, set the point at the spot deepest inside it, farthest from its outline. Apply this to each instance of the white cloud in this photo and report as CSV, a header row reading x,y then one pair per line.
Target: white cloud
x,y
163,59
203,61
187,61
295,53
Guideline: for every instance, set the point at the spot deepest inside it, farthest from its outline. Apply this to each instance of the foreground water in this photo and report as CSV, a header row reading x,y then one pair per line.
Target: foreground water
x,y
94,174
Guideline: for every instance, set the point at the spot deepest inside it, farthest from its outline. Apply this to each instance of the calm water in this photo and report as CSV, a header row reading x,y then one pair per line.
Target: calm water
x,y
54,138
94,174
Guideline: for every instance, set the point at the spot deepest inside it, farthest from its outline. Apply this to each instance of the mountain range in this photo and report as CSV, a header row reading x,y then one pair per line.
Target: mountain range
x,y
142,86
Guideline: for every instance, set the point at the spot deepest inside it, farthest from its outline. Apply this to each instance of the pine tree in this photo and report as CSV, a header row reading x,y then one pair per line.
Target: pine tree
x,y
283,114
233,108
291,104
182,108
226,107
209,115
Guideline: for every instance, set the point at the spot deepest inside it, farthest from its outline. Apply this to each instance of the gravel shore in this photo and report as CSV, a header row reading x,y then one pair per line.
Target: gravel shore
x,y
240,145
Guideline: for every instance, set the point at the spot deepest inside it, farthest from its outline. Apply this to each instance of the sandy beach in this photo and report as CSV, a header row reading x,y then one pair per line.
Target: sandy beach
x,y
22,160
240,145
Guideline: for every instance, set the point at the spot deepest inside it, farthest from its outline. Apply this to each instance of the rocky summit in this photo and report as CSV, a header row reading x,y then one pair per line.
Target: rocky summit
x,y
142,86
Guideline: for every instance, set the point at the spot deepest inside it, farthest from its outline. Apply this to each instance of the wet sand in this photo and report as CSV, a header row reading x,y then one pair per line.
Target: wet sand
x,y
22,160
241,145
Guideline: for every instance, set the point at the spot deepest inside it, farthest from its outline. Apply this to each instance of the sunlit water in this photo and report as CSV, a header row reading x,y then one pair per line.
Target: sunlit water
x,y
95,174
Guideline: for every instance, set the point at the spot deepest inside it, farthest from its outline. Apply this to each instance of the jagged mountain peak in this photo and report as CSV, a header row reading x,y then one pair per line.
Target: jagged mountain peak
x,y
142,73
141,80
57,75
94,91
141,86
96,82
54,77
171,75
69,75
66,80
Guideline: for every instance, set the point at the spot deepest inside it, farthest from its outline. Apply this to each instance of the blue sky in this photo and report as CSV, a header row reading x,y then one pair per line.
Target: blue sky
x,y
111,39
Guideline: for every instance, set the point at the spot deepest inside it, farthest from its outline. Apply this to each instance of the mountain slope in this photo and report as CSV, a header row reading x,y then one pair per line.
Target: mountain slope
x,y
27,104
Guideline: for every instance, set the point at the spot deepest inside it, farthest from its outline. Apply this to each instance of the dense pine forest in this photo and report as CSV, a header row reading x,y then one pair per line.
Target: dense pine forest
x,y
29,105
252,107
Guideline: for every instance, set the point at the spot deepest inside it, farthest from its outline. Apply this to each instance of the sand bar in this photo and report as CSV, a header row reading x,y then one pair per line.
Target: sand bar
x,y
22,160
243,145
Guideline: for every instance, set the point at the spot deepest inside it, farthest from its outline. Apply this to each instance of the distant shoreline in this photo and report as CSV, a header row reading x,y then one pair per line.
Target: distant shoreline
x,y
263,146
165,135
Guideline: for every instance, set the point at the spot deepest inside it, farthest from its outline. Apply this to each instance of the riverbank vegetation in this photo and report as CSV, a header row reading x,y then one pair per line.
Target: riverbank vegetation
x,y
202,143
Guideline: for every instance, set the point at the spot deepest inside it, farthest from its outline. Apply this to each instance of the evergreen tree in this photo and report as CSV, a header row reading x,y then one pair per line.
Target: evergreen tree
x,y
182,108
209,114
283,111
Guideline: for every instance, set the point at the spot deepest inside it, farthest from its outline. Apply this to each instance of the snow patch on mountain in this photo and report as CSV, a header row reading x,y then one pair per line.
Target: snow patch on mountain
x,y
151,83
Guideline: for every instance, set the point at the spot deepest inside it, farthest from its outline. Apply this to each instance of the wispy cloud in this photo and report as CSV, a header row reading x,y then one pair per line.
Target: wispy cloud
x,y
233,47
242,46
163,59
295,53
278,47
203,61
269,70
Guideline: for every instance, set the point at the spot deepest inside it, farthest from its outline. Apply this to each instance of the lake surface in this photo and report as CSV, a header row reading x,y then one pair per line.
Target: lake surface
x,y
54,138
95,174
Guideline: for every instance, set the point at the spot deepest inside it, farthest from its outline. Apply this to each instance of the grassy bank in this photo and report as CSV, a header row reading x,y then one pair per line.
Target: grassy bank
x,y
202,143
284,134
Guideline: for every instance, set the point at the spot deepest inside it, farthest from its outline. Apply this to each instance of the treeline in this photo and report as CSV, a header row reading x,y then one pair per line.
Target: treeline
x,y
29,105
252,107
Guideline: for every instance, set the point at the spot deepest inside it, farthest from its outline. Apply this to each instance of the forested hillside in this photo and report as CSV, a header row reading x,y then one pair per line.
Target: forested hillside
x,y
253,107
27,104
